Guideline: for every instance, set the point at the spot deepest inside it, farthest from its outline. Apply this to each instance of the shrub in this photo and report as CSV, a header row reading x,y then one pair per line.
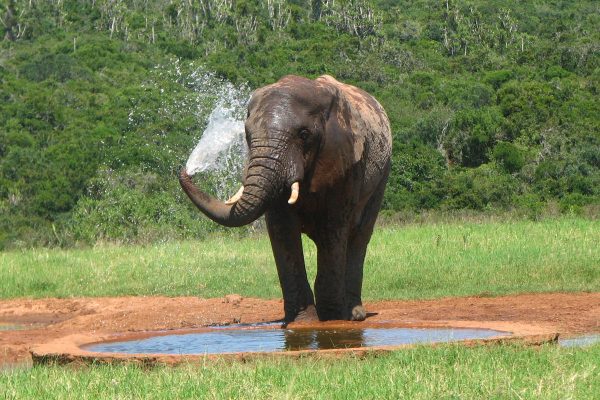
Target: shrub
x,y
574,203
471,136
508,156
531,204
133,206
482,188
498,78
416,170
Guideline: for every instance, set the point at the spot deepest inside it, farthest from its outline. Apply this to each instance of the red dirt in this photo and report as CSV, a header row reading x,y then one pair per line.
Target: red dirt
x,y
47,320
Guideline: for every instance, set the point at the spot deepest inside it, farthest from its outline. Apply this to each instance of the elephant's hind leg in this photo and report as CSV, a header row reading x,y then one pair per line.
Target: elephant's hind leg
x,y
355,255
284,231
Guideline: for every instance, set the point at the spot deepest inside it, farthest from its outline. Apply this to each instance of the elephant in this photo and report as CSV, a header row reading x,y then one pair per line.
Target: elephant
x,y
318,163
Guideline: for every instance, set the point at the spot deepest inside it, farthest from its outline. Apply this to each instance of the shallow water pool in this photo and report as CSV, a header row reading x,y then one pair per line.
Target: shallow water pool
x,y
270,340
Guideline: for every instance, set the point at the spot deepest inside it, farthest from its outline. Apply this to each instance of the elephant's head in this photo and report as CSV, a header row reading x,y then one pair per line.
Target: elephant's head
x,y
299,139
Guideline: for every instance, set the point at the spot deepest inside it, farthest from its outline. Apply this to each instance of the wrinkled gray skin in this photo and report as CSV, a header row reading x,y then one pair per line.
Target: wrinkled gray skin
x,y
334,139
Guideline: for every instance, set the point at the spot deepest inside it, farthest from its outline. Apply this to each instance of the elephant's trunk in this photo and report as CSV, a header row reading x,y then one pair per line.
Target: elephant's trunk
x,y
258,191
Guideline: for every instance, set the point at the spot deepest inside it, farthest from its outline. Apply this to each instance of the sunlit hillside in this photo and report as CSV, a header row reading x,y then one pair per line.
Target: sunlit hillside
x,y
494,104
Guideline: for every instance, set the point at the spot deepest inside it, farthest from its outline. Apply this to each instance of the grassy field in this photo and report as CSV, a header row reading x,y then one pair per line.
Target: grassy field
x,y
413,261
447,372
404,262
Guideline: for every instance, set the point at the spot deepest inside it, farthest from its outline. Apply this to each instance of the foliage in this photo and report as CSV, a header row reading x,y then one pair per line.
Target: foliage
x,y
493,105
134,205
480,188
509,156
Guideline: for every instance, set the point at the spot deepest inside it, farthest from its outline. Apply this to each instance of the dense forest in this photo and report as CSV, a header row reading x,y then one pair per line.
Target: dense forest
x,y
494,105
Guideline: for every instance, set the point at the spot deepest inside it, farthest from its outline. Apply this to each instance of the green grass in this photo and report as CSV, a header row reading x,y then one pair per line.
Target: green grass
x,y
410,262
451,372
413,261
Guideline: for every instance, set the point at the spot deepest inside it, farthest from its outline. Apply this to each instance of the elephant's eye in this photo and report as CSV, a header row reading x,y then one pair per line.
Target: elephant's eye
x,y
304,134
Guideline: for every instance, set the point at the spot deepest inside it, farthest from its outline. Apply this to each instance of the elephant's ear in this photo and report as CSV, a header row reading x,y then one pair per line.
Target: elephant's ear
x,y
343,142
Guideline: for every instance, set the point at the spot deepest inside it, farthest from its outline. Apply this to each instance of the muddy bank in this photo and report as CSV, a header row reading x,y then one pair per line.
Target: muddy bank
x,y
46,320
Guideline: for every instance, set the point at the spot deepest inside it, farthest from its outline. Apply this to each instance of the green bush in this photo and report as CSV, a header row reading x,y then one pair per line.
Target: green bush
x,y
509,156
531,205
482,188
573,203
497,78
472,135
133,206
417,171
529,108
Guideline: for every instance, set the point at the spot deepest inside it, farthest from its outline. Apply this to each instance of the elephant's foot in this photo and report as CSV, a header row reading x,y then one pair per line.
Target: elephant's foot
x,y
309,314
358,313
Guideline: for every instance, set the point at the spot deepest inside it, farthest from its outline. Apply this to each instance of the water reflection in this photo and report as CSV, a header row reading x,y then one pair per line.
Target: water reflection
x,y
313,339
218,341
580,341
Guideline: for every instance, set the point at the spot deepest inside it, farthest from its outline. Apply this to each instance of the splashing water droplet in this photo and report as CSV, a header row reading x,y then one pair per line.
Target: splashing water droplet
x,y
191,97
221,150
222,147
223,135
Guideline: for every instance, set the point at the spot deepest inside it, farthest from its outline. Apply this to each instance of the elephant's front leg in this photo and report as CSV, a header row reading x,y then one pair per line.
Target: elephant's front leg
x,y
330,285
285,234
357,249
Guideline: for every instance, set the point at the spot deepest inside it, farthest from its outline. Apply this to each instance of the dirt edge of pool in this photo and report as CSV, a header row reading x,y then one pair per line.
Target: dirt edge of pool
x,y
70,349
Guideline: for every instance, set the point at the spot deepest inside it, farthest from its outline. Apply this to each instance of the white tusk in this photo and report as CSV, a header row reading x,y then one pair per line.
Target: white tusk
x,y
236,196
295,192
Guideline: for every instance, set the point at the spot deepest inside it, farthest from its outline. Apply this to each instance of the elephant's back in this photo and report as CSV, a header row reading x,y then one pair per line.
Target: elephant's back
x,y
367,116
371,131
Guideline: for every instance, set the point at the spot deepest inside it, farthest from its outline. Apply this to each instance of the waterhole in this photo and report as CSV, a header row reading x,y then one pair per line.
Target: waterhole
x,y
270,340
9,327
580,341
5,326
